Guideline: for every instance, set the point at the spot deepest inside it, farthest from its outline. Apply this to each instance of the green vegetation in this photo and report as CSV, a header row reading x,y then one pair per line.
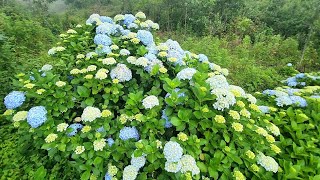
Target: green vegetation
x,y
254,40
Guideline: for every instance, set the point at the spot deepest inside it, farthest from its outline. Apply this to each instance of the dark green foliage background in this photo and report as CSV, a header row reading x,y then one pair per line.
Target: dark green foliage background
x,y
253,39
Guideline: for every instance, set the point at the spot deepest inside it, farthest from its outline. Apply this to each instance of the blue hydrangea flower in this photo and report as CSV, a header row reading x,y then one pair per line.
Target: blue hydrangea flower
x,y
106,28
107,177
203,58
14,99
32,78
291,91
302,83
269,92
103,50
300,75
164,116
128,19
289,64
101,129
129,133
110,142
37,116
150,56
75,128
176,90
292,81
299,101
101,39
106,19
283,100
145,37
152,49
125,32
264,109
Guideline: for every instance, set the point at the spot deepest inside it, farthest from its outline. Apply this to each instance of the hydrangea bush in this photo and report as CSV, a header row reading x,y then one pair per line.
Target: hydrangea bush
x,y
118,104
296,111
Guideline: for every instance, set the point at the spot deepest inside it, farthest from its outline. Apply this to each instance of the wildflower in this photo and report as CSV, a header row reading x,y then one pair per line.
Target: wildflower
x,y
51,137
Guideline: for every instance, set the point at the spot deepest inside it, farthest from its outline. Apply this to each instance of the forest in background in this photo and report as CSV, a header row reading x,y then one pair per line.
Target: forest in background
x,y
255,40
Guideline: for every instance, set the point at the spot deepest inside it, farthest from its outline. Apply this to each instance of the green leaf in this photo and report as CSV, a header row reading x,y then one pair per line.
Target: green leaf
x,y
85,175
40,173
142,50
89,101
83,91
62,147
97,161
175,121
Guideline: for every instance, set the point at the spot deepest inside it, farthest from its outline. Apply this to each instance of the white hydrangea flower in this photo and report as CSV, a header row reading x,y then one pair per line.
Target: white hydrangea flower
x,y
46,67
172,151
273,129
109,61
186,73
217,81
121,72
90,114
130,173
189,164
173,167
91,68
251,99
140,15
138,162
98,145
101,74
118,17
224,99
150,101
267,162
62,127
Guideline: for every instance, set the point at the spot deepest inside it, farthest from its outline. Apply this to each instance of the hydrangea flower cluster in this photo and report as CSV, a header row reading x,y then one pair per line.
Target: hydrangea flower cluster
x,y
150,101
120,59
37,116
14,99
267,162
129,133
285,97
176,161
90,114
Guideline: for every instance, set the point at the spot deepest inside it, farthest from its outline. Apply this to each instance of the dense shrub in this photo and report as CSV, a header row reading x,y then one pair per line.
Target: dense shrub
x,y
297,115
117,104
